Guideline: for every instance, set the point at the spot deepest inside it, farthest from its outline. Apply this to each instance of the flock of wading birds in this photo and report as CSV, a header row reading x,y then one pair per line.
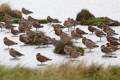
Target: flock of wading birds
x,y
25,26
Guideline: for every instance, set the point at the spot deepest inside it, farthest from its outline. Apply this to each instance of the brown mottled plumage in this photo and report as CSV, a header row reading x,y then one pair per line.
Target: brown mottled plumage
x,y
8,42
106,50
113,47
89,43
51,20
15,53
76,35
23,39
112,42
41,58
99,34
113,38
79,31
37,25
26,12
14,32
70,51
91,29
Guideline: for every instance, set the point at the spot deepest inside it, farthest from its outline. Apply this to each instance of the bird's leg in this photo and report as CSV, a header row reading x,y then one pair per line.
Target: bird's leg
x,y
47,44
36,29
8,31
100,39
41,63
1,29
74,27
50,23
90,50
38,46
68,29
71,58
92,32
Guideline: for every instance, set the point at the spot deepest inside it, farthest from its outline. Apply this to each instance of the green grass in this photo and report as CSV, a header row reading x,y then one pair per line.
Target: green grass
x,y
109,56
63,72
84,14
91,21
98,19
42,21
116,23
2,18
78,49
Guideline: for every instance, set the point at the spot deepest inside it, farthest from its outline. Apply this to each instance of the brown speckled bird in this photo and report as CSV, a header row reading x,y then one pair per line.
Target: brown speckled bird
x,y
41,58
112,42
25,11
74,54
37,40
83,40
100,25
37,25
51,20
106,50
79,31
24,39
110,37
14,53
113,47
111,33
58,25
99,34
29,32
8,42
76,35
58,31
64,37
70,51
31,19
67,49
92,29
67,24
89,43
14,32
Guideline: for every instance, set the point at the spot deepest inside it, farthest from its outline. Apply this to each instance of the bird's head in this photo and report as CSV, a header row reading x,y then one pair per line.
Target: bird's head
x,y
21,37
38,54
5,38
102,46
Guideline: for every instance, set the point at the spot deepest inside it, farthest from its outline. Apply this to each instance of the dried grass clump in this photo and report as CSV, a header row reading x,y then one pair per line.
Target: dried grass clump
x,y
6,9
66,71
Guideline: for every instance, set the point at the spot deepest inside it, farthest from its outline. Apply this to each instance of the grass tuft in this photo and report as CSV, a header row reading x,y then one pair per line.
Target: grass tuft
x,y
84,14
6,9
65,71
